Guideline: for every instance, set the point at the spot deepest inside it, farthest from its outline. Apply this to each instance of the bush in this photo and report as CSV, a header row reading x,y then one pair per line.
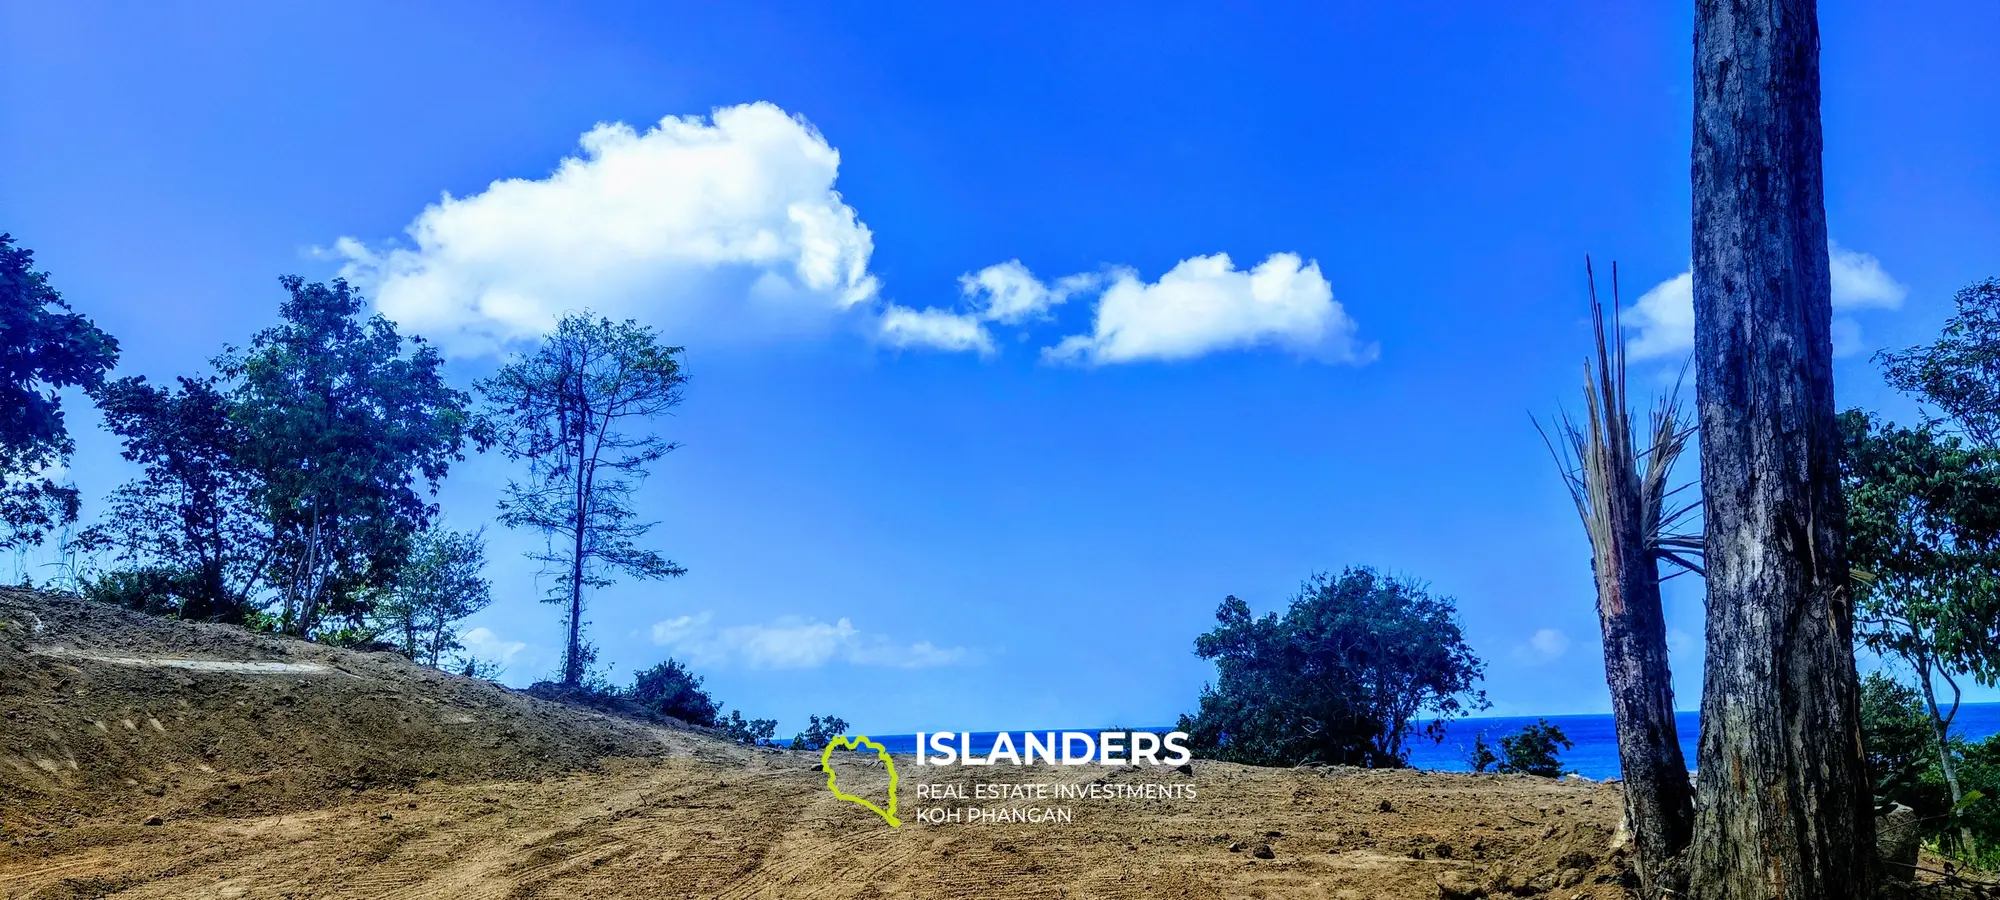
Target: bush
x,y
1346,676
148,589
671,690
755,732
1533,750
820,733
1481,757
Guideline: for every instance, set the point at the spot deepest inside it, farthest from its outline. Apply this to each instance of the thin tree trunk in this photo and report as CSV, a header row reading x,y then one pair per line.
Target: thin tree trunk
x,y
1783,806
1941,731
1659,801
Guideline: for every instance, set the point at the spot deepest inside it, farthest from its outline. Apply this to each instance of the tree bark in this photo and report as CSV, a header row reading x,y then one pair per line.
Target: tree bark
x,y
1783,807
1659,801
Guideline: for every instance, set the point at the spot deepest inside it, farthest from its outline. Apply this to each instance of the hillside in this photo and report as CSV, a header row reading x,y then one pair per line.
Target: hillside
x,y
145,757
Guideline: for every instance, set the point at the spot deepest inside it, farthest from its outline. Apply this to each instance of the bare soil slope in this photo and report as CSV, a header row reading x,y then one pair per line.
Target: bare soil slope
x,y
141,757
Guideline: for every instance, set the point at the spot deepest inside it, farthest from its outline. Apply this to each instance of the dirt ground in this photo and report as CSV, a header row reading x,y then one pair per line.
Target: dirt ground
x,y
147,758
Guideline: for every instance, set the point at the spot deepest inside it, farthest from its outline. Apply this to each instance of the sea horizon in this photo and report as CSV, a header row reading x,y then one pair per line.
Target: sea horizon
x,y
1594,753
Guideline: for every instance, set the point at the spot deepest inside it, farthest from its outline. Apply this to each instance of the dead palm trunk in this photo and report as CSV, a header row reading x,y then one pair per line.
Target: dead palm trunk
x,y
1783,806
1629,514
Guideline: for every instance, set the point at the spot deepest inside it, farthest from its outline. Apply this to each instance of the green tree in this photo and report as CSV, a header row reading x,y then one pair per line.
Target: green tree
x,y
576,412
1900,744
1534,750
1923,514
44,348
439,586
1351,670
755,732
187,530
1959,373
671,690
342,419
819,732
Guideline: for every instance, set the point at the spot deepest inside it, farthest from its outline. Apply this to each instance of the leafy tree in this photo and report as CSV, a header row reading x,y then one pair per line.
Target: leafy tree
x,y
671,690
188,528
820,733
342,417
1533,750
44,348
1343,677
1959,373
436,588
575,410
1923,514
755,732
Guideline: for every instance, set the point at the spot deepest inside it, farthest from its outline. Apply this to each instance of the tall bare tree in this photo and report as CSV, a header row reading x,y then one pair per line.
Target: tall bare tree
x,y
1632,515
576,411
1782,803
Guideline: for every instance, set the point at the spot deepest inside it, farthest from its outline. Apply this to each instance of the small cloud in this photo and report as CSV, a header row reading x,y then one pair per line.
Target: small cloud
x,y
1205,305
793,642
1663,318
486,645
938,329
1544,645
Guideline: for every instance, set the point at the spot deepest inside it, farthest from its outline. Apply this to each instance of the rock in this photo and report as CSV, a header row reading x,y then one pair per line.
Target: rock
x,y
1386,806
1569,877
1236,847
1263,851
1540,884
1456,886
1185,769
155,821
1897,840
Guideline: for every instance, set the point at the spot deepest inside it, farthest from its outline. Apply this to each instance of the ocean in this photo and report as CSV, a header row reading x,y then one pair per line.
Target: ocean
x,y
1595,754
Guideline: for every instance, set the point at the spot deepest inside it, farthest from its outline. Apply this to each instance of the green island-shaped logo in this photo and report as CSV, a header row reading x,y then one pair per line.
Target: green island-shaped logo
x,y
847,743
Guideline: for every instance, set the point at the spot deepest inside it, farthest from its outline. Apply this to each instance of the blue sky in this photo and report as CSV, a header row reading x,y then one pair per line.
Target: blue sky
x,y
921,505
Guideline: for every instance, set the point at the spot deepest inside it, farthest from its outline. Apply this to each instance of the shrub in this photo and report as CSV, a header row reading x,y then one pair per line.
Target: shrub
x,y
755,732
671,690
1533,750
820,733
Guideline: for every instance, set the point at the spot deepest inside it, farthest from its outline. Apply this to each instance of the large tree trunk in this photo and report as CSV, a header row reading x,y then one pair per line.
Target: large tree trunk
x,y
1783,807
1659,802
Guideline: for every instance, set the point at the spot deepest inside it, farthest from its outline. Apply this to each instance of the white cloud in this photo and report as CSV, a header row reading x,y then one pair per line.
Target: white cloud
x,y
1205,304
726,226
1004,293
486,645
1544,645
935,328
1664,316
793,642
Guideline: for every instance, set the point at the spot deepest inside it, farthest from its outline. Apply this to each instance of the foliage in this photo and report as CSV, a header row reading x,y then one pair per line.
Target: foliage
x,y
1533,750
1343,677
1905,767
1481,757
1923,514
192,513
44,348
1959,373
436,588
341,417
755,732
1900,747
671,690
820,733
575,411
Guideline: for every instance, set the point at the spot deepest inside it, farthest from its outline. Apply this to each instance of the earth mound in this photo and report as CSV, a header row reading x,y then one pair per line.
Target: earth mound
x,y
108,710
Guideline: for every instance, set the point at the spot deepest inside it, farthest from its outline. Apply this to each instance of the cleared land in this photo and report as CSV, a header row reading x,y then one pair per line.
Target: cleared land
x,y
142,757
